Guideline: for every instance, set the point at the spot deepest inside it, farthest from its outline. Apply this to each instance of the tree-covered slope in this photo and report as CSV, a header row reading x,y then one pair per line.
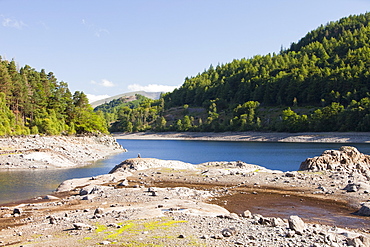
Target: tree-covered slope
x,y
33,102
320,83
330,64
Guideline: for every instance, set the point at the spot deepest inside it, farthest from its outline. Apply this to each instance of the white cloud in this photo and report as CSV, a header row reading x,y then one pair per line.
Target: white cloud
x,y
98,31
8,22
93,98
104,83
151,88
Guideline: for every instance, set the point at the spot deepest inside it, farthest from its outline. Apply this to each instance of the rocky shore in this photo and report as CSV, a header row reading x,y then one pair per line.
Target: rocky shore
x,y
40,152
332,137
151,202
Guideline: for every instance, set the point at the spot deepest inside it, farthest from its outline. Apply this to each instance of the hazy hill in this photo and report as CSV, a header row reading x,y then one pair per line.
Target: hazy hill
x,y
150,95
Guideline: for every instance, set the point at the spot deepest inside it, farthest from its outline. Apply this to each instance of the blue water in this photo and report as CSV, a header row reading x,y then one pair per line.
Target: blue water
x,y
20,185
279,156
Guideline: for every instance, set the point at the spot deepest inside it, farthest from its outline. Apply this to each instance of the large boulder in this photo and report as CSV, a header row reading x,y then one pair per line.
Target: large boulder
x,y
148,163
347,159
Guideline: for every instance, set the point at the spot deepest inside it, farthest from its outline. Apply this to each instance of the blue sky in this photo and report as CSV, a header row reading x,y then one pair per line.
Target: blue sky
x,y
115,46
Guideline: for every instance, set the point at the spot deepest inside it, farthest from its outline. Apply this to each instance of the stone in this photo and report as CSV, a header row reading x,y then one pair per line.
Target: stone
x,y
49,197
228,232
290,174
351,188
359,241
218,236
296,224
290,234
87,197
114,225
99,211
105,243
264,220
277,222
18,211
364,210
247,214
80,226
123,183
52,220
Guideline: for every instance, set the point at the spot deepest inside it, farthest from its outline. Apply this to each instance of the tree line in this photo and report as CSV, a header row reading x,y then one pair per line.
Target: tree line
x,y
33,102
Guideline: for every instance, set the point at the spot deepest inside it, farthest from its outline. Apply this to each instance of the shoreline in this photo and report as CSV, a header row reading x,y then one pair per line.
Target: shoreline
x,y
250,136
54,152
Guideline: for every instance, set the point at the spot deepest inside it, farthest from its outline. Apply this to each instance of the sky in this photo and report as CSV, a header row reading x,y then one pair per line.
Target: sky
x,y
105,48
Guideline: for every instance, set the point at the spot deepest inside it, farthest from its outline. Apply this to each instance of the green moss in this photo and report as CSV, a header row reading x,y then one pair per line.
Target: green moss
x,y
121,230
100,228
139,244
160,224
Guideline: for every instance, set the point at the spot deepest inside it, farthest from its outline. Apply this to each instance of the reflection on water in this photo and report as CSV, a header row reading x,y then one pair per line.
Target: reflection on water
x,y
20,185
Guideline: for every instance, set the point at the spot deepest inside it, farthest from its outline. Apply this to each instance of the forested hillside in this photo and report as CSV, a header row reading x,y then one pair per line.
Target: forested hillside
x,y
34,102
321,83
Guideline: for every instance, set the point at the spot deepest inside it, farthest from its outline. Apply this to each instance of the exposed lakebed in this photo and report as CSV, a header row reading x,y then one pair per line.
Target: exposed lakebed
x,y
20,185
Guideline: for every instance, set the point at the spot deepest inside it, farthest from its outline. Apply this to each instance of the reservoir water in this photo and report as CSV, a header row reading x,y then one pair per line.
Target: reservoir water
x,y
21,185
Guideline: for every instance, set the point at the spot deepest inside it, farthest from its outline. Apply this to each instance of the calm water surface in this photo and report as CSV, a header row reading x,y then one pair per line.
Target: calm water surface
x,y
20,185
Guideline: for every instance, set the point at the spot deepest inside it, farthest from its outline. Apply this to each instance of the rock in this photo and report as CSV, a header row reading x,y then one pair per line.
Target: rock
x,y
296,224
114,225
49,197
88,190
290,234
264,221
123,183
228,232
289,174
17,211
247,214
363,186
347,159
105,243
233,216
359,241
80,226
147,163
364,210
99,211
218,236
351,188
88,197
52,220
277,222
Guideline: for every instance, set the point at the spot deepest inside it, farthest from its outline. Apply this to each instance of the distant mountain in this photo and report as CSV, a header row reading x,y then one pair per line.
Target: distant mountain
x,y
150,95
